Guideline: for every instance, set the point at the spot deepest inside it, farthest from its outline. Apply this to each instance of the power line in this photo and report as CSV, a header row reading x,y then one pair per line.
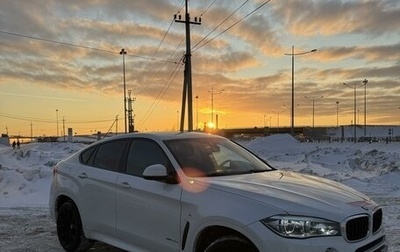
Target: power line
x,y
30,119
161,94
80,46
207,8
55,42
234,24
166,86
42,120
223,21
193,26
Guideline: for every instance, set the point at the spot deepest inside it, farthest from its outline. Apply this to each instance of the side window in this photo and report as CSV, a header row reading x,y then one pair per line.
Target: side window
x,y
143,153
87,156
108,155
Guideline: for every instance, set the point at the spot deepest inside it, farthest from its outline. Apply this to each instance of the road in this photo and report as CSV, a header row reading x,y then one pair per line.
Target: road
x,y
32,230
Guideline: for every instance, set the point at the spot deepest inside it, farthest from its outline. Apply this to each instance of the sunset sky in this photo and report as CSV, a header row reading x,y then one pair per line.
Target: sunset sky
x,y
59,59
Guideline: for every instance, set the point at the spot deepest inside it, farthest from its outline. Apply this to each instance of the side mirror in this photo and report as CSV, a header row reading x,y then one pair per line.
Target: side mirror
x,y
159,172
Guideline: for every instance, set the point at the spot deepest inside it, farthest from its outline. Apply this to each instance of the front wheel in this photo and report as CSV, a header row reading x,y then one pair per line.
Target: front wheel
x,y
69,228
230,243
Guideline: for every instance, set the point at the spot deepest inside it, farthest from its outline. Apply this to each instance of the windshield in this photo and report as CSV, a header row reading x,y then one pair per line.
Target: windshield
x,y
199,157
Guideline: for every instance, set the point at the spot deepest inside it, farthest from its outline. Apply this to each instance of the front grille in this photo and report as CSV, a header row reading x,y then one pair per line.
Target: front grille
x,y
357,228
377,221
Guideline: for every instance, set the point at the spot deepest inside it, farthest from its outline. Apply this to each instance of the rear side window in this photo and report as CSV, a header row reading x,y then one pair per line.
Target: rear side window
x,y
88,155
106,156
143,153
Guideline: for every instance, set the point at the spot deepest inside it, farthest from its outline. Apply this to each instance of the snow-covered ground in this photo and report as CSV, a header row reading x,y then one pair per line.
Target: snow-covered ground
x,y
25,177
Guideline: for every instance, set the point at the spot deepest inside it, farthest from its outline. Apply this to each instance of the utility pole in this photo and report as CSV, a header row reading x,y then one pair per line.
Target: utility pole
x,y
131,125
31,132
63,128
187,89
123,53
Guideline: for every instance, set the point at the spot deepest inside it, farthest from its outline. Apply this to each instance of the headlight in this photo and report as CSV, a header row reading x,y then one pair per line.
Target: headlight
x,y
301,226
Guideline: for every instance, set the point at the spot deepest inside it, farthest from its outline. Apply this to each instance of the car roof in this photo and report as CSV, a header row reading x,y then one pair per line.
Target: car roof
x,y
161,136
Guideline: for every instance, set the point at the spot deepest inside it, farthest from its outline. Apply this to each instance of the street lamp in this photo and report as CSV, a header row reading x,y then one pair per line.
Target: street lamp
x,y
313,102
57,122
277,119
337,114
264,120
123,53
213,92
295,54
365,81
354,87
177,119
197,111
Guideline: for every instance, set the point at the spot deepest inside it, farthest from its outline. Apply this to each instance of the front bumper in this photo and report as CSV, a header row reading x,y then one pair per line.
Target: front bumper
x,y
268,241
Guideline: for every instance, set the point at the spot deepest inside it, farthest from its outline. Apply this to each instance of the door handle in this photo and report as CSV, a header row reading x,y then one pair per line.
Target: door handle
x,y
125,185
83,175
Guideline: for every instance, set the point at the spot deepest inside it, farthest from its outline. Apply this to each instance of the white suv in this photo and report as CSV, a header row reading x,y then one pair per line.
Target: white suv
x,y
200,192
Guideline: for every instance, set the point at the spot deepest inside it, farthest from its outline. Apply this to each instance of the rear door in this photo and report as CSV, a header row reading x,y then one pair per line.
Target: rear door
x,y
98,186
148,212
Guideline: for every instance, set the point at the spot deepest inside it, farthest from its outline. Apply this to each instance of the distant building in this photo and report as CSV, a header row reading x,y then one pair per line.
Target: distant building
x,y
370,132
5,140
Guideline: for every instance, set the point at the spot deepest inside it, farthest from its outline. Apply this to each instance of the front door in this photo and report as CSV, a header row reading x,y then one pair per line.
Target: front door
x,y
148,212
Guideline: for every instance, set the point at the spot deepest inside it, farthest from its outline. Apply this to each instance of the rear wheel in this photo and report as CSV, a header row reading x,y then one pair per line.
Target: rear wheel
x,y
230,243
69,228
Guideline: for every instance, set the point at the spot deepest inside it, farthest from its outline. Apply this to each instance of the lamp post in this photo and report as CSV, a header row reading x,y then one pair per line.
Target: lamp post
x,y
337,114
197,112
292,54
264,120
277,119
354,87
177,119
212,92
123,53
57,122
365,81
313,102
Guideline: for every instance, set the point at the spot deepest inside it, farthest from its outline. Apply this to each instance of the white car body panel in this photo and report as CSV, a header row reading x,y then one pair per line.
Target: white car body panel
x,y
137,214
147,205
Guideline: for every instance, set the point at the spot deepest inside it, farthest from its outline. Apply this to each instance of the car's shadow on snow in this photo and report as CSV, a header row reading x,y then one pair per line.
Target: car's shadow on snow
x,y
31,229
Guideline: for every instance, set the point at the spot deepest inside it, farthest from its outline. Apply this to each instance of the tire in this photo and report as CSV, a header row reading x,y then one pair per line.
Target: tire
x,y
230,243
69,229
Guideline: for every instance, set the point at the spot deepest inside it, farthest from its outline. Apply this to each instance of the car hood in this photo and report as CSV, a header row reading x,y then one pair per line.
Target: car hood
x,y
294,193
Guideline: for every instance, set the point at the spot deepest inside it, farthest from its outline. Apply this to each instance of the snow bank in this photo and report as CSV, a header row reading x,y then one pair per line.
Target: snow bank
x,y
374,169
26,173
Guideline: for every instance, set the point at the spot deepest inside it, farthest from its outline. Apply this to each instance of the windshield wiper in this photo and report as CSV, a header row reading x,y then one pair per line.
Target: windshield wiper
x,y
228,173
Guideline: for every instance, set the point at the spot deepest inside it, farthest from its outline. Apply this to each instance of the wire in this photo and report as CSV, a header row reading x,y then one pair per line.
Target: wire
x,y
234,24
172,76
30,119
81,46
161,94
166,86
41,120
56,42
165,35
207,8
223,21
